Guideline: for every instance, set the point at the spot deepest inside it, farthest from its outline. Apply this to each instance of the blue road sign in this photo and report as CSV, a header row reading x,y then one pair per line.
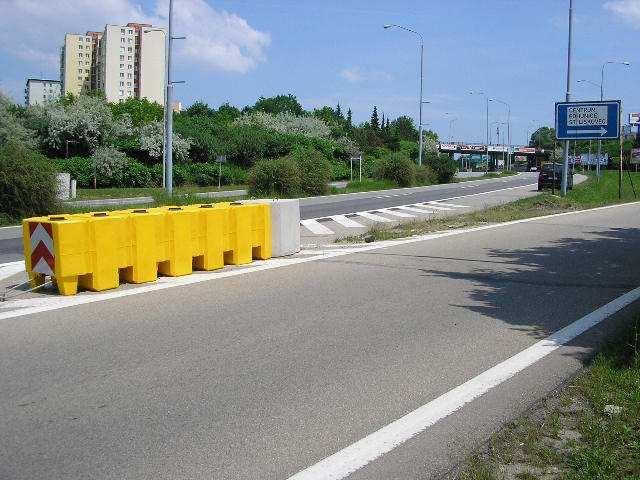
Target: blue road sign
x,y
588,120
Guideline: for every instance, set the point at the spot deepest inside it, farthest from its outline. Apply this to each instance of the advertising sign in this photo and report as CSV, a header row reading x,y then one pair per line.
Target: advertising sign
x,y
634,118
588,120
585,159
635,156
448,147
527,150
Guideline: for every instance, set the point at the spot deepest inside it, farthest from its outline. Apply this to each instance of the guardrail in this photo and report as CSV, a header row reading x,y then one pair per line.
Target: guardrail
x,y
99,250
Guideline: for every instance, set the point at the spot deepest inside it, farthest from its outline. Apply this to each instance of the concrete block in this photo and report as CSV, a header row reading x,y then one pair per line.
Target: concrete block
x,y
285,225
64,186
74,186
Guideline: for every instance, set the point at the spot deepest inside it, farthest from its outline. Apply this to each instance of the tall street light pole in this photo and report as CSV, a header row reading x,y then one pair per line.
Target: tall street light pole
x,y
487,122
610,62
421,83
508,128
568,99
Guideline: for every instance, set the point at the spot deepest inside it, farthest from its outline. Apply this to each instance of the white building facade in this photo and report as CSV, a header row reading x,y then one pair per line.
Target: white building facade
x,y
40,91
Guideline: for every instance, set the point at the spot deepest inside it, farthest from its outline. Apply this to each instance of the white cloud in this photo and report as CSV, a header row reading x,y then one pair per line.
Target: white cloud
x,y
628,10
358,75
216,40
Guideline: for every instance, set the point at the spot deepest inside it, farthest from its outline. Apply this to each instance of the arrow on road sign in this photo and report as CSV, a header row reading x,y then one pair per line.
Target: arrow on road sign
x,y
601,132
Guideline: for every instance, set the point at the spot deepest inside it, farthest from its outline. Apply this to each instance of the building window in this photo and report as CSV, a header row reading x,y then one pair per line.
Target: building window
x,y
129,67
122,65
128,84
129,57
121,75
80,79
80,55
129,75
122,49
121,92
129,49
122,31
86,70
122,58
79,70
122,84
80,39
80,47
122,40
130,32
88,55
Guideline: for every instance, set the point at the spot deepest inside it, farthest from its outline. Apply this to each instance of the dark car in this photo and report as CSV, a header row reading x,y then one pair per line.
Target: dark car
x,y
547,176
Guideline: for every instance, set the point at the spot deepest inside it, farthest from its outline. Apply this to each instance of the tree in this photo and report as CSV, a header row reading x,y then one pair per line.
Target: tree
x,y
349,119
227,113
279,104
405,128
152,141
140,110
199,109
339,112
544,137
326,114
375,122
11,128
287,123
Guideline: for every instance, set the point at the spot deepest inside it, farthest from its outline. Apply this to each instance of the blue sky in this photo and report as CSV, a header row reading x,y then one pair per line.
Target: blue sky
x,y
336,51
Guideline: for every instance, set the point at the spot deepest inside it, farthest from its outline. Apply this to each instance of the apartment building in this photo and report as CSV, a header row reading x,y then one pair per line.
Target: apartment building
x,y
39,91
126,61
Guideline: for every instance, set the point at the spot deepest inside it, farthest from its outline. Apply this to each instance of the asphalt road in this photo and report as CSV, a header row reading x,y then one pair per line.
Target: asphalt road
x,y
318,207
258,376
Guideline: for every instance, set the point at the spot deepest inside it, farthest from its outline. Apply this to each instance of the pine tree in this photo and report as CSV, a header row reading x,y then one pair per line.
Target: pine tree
x,y
338,111
349,120
382,122
375,121
388,125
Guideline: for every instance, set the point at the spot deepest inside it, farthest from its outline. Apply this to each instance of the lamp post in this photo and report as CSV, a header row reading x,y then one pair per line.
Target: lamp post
x,y
487,121
609,62
386,27
168,111
565,167
508,127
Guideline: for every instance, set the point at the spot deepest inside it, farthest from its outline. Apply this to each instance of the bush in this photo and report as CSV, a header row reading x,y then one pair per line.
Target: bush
x,y
27,182
314,170
80,169
443,165
396,167
136,175
425,175
182,174
233,175
204,174
339,170
277,177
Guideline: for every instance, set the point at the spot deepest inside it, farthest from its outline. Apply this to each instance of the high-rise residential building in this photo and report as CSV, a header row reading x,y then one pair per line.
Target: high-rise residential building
x,y
124,62
39,91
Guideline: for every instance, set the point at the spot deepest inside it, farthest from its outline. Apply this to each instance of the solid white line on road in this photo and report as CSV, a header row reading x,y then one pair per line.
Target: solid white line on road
x,y
314,226
346,221
452,205
357,455
10,269
414,209
20,308
395,213
374,217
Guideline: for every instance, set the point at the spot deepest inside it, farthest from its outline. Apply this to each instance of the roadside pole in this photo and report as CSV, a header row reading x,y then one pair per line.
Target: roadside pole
x,y
565,168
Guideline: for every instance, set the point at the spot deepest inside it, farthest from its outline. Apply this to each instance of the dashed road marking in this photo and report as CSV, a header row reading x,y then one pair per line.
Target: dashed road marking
x,y
395,213
316,227
374,217
414,209
346,221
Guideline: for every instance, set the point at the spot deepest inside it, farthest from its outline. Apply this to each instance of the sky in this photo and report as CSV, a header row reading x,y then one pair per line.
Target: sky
x,y
330,51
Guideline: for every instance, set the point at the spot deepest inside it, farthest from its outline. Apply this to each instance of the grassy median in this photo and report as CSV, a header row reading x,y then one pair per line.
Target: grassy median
x,y
588,430
589,194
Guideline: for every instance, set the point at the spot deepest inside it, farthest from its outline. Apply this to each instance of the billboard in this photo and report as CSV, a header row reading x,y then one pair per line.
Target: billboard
x,y
634,118
635,156
448,147
526,150
498,148
586,159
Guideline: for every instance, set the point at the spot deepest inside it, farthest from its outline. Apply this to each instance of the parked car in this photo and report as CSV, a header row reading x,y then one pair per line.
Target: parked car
x,y
546,176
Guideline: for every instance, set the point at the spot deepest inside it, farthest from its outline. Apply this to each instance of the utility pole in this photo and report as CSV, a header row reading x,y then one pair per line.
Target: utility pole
x,y
565,168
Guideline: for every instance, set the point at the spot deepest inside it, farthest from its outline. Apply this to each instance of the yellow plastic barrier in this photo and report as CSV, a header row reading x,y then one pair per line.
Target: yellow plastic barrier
x,y
97,251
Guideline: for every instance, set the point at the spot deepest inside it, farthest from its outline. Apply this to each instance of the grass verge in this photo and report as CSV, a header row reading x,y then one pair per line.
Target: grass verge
x,y
100,193
589,194
588,430
500,174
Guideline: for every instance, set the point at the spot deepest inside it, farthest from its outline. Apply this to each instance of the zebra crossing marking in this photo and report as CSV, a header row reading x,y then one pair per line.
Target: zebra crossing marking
x,y
314,226
346,221
374,217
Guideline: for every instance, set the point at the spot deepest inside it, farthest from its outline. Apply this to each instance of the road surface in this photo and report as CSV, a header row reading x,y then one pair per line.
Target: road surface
x,y
265,372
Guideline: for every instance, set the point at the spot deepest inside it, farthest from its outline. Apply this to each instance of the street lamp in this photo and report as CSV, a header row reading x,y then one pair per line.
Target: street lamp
x,y
451,122
487,122
388,26
168,112
502,145
508,127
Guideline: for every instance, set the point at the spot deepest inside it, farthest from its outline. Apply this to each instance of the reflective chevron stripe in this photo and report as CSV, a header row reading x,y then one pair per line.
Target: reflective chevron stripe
x,y
42,252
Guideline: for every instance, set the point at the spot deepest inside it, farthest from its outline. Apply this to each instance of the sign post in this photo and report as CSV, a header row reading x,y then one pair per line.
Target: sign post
x,y
220,159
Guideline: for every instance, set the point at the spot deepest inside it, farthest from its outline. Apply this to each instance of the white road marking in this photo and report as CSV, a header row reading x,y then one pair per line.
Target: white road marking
x,y
45,304
352,458
436,207
414,209
452,205
374,217
314,226
395,213
346,221
10,269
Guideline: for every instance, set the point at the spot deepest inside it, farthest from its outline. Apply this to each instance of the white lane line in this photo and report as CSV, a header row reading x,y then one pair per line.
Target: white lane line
x,y
314,226
352,458
346,221
414,209
452,205
46,304
436,207
374,217
395,213
10,269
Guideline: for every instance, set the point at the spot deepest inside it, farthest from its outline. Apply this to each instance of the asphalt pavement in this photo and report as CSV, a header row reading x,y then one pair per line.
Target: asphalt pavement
x,y
265,373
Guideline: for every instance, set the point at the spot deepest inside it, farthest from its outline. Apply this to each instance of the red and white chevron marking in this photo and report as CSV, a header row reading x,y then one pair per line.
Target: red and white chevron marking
x,y
42,255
